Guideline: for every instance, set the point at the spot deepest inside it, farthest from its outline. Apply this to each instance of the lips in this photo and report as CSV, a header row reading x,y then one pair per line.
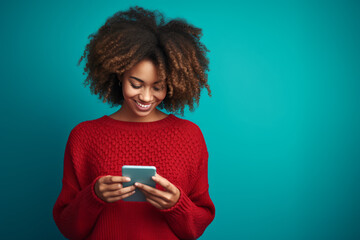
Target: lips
x,y
142,106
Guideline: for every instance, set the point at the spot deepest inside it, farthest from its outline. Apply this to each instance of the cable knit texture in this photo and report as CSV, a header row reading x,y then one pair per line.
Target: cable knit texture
x,y
100,147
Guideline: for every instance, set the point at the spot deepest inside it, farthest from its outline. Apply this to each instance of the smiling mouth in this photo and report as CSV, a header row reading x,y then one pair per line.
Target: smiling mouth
x,y
142,105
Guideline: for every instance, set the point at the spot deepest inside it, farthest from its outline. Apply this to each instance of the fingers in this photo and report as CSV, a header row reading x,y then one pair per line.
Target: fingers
x,y
160,199
154,203
153,191
114,199
114,179
164,183
110,188
119,192
155,199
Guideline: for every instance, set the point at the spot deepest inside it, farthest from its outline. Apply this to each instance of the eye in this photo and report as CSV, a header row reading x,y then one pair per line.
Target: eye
x,y
134,86
158,88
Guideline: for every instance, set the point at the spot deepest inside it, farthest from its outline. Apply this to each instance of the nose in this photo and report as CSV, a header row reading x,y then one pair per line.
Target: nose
x,y
146,95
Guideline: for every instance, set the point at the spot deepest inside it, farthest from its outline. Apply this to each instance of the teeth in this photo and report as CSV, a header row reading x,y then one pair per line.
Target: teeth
x,y
144,106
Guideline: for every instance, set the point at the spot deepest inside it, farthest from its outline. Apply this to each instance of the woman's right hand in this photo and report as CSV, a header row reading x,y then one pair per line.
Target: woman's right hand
x,y
110,189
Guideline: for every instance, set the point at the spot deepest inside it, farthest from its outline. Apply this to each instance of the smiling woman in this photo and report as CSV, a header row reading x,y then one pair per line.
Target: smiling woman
x,y
142,93
131,36
144,64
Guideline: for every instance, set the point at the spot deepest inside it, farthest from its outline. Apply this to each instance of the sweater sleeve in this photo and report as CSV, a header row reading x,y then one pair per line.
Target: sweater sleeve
x,y
190,216
76,209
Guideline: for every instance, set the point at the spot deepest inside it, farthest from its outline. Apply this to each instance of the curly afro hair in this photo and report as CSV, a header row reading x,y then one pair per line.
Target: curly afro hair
x,y
133,35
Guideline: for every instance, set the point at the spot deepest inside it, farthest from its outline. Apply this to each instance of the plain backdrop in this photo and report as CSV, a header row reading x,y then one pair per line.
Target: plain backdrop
x,y
282,127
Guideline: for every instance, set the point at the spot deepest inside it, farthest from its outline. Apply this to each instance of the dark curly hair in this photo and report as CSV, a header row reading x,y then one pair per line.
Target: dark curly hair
x,y
133,35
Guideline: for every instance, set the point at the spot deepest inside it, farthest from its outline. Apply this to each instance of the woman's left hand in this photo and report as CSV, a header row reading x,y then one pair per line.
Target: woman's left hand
x,y
160,199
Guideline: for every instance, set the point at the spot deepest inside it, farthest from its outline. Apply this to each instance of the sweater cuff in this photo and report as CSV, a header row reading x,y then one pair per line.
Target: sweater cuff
x,y
183,205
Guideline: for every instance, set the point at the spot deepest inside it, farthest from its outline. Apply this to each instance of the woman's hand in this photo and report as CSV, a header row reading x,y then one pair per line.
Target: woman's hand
x,y
110,189
160,199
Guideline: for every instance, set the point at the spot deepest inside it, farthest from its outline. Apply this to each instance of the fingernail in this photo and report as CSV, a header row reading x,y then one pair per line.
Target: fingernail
x,y
128,179
137,184
153,177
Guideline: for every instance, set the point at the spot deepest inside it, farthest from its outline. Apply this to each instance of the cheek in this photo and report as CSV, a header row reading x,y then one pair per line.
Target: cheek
x,y
162,95
129,92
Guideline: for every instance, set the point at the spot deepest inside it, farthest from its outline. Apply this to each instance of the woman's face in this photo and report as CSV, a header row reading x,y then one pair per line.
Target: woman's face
x,y
142,91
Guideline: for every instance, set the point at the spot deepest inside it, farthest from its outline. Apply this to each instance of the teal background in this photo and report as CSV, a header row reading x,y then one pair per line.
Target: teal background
x,y
282,126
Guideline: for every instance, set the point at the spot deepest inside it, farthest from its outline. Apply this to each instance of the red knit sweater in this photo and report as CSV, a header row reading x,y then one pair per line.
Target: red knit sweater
x,y
100,147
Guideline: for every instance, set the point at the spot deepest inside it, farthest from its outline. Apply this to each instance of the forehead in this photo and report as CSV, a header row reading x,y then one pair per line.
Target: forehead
x,y
144,71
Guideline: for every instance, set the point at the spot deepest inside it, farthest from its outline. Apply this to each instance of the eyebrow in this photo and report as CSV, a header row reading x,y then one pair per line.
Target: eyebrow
x,y
142,80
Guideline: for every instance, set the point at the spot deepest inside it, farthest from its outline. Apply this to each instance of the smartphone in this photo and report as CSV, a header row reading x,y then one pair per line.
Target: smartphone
x,y
141,174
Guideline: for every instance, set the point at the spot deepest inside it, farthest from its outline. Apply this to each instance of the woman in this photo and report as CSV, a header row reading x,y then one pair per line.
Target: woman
x,y
138,61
